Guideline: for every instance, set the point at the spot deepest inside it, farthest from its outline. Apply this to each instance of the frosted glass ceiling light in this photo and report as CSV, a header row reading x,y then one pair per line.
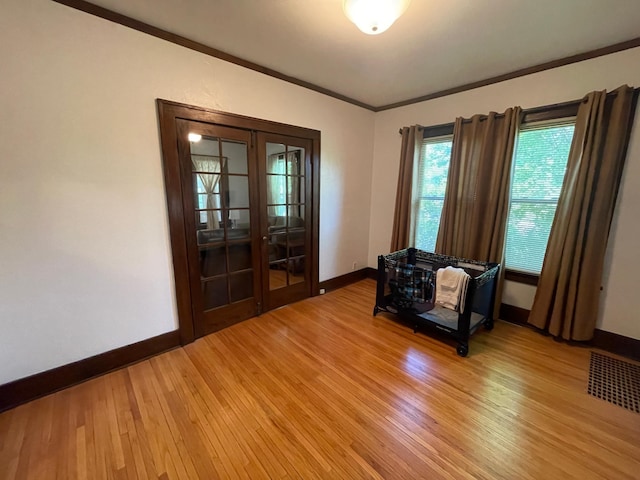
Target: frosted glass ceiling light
x,y
374,16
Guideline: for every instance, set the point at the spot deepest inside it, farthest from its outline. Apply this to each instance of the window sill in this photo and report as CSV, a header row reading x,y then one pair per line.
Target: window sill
x,y
521,277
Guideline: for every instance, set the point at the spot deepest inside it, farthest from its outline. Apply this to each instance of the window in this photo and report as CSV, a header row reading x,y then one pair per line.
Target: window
x,y
539,165
428,199
540,162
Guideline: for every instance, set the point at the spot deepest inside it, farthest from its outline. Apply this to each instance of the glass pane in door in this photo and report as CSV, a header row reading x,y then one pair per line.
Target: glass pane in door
x,y
238,191
209,220
241,284
212,261
215,292
222,218
286,204
296,269
236,153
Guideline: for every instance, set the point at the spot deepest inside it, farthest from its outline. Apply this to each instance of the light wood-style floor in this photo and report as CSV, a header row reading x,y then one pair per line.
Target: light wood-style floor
x,y
321,389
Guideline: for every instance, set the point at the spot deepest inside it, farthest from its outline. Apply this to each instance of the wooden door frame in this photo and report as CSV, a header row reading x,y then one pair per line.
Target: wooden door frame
x,y
168,113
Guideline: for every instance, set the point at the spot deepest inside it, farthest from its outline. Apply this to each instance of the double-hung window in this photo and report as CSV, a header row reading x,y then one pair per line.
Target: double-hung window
x,y
539,166
429,189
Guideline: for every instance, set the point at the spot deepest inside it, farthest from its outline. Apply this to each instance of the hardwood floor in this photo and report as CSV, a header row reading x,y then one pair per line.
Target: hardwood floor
x,y
321,389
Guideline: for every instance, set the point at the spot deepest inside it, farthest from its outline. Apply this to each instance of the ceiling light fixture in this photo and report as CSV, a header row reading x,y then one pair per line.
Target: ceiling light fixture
x,y
194,137
374,16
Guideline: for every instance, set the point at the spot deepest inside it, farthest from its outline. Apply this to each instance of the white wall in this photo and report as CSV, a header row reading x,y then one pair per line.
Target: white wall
x,y
620,300
85,264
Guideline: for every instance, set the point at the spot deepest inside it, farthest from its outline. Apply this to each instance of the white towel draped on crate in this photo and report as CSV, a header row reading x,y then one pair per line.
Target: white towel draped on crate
x,y
451,287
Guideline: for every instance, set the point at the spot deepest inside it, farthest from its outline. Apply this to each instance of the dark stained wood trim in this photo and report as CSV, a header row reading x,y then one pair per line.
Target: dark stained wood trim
x,y
521,277
607,341
175,208
513,314
344,280
618,344
35,386
129,22
372,273
580,57
438,130
551,112
170,114
207,115
315,213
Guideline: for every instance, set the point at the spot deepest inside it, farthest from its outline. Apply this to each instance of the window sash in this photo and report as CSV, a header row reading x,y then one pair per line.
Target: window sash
x,y
427,204
528,227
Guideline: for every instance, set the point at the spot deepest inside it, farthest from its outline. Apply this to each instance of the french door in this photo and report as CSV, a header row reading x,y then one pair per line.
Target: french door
x,y
285,172
220,183
243,216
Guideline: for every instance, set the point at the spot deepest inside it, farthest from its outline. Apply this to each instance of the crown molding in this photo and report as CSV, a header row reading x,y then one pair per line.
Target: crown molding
x,y
129,22
134,24
599,52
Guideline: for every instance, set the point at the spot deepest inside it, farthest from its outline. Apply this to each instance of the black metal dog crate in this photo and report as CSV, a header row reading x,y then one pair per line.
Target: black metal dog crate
x,y
406,287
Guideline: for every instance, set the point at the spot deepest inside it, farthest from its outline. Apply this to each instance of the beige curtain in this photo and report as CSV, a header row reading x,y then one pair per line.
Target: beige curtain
x,y
476,203
409,155
210,184
568,294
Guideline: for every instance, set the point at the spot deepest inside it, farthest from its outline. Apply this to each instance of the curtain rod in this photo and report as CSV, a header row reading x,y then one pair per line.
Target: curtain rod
x,y
554,106
544,108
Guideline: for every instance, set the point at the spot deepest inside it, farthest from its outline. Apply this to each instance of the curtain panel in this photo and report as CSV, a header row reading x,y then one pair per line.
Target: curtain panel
x,y
407,176
568,294
476,202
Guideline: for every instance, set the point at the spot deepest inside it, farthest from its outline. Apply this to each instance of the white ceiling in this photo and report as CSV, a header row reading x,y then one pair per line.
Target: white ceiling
x,y
434,46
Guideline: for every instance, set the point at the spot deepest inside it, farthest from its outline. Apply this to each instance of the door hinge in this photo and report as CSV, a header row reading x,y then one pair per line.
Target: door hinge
x,y
259,308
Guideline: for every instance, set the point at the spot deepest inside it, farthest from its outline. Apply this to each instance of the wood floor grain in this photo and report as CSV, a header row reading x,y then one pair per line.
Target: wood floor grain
x,y
321,389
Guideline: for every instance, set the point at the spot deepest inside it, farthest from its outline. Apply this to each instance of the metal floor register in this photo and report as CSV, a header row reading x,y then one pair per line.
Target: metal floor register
x,y
615,381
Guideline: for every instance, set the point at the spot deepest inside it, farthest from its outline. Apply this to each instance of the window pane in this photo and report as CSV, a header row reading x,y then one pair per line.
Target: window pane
x,y
540,163
527,235
433,169
427,223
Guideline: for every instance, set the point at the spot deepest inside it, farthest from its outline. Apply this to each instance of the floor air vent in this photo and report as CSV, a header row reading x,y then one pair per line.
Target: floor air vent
x,y
615,381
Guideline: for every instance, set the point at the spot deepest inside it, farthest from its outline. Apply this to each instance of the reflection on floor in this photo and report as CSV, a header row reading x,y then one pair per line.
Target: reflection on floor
x,y
278,278
322,389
